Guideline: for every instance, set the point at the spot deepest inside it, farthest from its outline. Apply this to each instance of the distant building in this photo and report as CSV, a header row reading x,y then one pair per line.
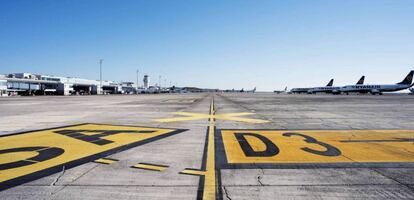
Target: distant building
x,y
146,82
3,87
35,84
28,84
127,88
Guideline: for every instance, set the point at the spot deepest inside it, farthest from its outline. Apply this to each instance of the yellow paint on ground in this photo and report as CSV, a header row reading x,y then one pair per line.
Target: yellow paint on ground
x,y
193,172
105,161
63,145
311,146
180,101
150,167
210,183
227,116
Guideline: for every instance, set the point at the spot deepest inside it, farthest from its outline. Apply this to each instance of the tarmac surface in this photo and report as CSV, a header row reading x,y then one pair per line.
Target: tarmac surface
x,y
207,146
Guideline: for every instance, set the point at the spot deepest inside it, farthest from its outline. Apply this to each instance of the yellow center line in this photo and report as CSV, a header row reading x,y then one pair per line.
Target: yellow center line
x,y
210,175
227,116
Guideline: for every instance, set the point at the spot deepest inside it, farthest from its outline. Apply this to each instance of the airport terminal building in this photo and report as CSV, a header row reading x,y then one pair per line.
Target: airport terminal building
x,y
33,84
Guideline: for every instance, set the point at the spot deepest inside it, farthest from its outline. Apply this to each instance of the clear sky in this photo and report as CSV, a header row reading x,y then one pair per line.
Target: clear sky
x,y
214,44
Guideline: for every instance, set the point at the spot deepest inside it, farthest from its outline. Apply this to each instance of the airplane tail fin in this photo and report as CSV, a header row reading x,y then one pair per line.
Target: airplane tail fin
x,y
408,79
330,83
285,88
361,80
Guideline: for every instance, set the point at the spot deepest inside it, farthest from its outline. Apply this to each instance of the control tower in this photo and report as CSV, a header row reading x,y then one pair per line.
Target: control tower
x,y
146,81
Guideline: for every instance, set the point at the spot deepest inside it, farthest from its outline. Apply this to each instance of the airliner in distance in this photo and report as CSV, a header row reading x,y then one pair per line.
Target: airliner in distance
x,y
306,90
242,90
280,91
379,89
332,89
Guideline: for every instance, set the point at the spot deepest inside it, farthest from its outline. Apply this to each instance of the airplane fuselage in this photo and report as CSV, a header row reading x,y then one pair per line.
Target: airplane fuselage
x,y
326,89
299,90
373,88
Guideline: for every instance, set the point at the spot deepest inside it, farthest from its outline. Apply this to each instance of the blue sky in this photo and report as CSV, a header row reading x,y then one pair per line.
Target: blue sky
x,y
215,44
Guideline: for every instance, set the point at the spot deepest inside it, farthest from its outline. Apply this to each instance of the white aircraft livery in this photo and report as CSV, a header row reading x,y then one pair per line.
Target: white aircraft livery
x,y
327,89
379,89
307,90
280,91
331,89
299,90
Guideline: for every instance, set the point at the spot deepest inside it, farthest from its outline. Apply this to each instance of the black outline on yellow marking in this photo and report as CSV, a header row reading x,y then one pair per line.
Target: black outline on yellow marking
x,y
222,161
149,164
395,140
97,138
202,179
48,171
201,172
203,168
44,153
103,161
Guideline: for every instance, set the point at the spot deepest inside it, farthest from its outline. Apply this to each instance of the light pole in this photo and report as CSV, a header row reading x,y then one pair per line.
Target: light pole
x,y
137,79
159,81
100,74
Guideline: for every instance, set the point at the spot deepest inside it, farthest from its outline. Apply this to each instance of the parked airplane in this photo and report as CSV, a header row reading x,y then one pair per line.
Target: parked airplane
x,y
331,89
327,89
299,90
242,90
379,89
307,90
280,91
361,81
252,91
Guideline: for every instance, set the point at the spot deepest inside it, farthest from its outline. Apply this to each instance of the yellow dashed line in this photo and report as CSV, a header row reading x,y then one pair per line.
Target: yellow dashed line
x,y
105,161
193,172
226,116
152,167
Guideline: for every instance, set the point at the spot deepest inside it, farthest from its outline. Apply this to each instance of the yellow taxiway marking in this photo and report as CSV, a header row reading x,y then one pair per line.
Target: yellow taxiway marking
x,y
152,167
180,100
318,146
193,172
210,183
37,153
188,116
105,161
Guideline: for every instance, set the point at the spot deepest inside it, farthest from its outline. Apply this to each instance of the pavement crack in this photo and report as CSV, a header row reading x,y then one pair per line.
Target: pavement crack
x,y
382,174
53,193
58,177
259,177
226,193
